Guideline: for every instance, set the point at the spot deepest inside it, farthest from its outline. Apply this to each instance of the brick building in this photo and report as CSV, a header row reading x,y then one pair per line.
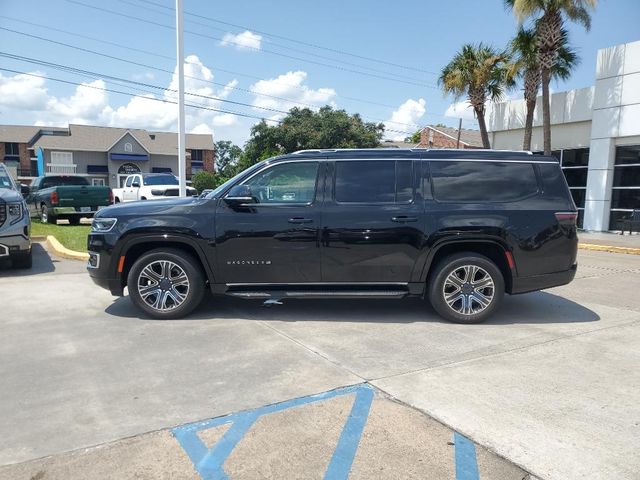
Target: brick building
x,y
440,137
103,154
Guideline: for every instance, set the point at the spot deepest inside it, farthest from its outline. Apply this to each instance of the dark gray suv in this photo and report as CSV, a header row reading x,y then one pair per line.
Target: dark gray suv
x,y
15,225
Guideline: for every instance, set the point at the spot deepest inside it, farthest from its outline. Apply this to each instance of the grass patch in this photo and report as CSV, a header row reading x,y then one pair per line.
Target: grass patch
x,y
72,237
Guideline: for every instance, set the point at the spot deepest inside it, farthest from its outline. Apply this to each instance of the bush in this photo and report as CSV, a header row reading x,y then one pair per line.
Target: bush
x,y
205,180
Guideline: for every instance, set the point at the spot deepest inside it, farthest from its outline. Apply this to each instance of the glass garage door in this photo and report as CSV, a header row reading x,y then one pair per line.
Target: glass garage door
x,y
625,196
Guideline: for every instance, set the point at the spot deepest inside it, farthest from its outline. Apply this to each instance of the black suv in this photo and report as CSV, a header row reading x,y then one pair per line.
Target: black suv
x,y
460,227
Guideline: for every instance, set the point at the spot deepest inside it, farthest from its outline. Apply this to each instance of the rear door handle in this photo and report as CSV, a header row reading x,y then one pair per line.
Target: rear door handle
x,y
300,220
403,219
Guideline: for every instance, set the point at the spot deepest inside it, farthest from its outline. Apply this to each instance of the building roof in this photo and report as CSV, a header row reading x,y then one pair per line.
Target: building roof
x,y
390,144
467,136
18,133
101,139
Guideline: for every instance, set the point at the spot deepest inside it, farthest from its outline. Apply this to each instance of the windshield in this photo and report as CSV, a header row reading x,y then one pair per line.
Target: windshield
x,y
62,181
222,187
161,180
5,179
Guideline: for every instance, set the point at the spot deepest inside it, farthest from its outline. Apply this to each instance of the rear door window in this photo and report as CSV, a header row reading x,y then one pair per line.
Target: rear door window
x,y
482,182
374,181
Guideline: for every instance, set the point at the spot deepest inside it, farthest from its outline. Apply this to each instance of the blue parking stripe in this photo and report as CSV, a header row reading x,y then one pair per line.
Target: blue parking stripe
x,y
465,455
345,451
209,462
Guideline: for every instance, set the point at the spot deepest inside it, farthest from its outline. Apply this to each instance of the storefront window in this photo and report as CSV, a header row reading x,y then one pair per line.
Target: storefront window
x,y
625,196
575,166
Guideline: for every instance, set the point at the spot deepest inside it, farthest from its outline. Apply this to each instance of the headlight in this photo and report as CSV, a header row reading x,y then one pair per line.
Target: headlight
x,y
103,225
16,212
156,192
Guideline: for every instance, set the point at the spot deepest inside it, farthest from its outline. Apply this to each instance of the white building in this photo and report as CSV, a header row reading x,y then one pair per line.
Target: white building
x,y
595,133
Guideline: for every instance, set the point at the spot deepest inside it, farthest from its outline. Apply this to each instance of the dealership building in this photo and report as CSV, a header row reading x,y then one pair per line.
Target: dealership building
x,y
104,155
595,134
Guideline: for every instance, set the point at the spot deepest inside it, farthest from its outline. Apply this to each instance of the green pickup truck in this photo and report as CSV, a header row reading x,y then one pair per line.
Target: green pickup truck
x,y
59,197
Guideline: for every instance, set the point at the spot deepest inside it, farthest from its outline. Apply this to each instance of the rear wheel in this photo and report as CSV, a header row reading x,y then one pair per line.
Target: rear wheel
x,y
74,220
166,284
46,217
466,288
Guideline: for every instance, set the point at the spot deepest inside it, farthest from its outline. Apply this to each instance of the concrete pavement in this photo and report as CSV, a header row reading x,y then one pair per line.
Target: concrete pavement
x,y
548,384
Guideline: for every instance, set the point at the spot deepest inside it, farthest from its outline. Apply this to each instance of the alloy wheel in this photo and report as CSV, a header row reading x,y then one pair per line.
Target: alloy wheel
x,y
468,289
163,285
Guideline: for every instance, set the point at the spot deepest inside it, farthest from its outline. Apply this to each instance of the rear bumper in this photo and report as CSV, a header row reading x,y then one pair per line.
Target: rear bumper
x,y
62,211
540,282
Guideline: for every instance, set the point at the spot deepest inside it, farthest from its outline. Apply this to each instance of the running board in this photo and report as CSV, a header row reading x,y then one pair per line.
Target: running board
x,y
281,294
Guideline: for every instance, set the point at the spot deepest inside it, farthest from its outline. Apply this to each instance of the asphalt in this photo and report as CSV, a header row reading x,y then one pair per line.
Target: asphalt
x,y
549,384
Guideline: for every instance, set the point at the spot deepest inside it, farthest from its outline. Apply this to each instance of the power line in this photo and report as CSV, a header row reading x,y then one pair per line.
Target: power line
x,y
371,75
289,39
287,47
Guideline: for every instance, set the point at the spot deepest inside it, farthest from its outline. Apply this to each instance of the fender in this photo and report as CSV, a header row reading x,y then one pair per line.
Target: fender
x,y
433,250
133,239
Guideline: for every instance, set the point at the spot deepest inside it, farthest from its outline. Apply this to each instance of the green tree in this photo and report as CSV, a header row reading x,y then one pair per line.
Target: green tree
x,y
227,157
203,180
304,128
481,73
524,49
549,18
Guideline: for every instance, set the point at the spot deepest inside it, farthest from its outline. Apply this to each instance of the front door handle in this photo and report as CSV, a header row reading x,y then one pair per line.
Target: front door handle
x,y
300,220
403,219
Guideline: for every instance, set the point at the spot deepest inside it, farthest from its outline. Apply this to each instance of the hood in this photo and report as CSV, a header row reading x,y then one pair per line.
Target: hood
x,y
9,195
150,207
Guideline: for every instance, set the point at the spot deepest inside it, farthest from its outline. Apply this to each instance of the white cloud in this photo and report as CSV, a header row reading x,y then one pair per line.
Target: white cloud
x,y
460,110
405,118
25,99
139,77
246,40
288,86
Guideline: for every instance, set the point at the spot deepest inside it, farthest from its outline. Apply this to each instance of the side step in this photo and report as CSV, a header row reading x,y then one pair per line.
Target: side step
x,y
280,294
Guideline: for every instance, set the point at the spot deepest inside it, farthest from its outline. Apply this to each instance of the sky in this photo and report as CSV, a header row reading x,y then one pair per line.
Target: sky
x,y
248,60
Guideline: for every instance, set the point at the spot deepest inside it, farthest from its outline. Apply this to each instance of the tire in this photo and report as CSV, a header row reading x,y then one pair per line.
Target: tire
x,y
46,217
116,200
22,261
148,270
74,220
467,304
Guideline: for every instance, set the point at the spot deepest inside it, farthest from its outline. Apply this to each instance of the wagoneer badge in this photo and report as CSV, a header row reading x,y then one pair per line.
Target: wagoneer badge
x,y
248,262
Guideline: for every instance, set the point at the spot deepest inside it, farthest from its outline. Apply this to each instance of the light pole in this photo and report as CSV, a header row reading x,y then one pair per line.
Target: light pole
x,y
182,167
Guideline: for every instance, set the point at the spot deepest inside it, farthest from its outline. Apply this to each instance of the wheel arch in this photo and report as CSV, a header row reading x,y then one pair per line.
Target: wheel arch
x,y
136,246
494,250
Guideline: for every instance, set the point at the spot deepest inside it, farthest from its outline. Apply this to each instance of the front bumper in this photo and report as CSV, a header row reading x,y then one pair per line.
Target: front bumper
x,y
14,240
102,265
540,282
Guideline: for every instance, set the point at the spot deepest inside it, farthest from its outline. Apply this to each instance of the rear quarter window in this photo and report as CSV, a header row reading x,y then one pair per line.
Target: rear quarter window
x,y
483,182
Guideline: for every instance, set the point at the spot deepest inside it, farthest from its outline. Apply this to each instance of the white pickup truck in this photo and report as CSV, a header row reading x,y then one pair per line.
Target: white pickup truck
x,y
149,186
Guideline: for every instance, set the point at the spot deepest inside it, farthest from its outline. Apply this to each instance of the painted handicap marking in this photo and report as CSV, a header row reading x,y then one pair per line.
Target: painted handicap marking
x,y
465,455
209,462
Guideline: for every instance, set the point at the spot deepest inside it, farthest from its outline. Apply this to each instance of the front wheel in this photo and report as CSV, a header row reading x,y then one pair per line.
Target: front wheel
x,y
466,288
166,283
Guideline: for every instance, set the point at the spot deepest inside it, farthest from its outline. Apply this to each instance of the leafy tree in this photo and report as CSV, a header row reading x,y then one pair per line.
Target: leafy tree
x,y
304,128
203,180
524,48
481,73
227,157
549,18
415,138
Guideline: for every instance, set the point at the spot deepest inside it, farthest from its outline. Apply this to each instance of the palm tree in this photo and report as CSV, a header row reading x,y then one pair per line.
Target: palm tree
x,y
526,65
480,72
549,21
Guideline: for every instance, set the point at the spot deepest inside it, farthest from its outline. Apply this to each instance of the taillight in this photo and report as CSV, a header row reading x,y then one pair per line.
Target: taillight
x,y
567,218
54,198
110,196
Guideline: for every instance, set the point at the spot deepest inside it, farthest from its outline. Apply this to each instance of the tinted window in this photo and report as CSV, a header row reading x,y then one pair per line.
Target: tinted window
x,y
160,180
482,181
129,181
61,181
628,155
576,177
374,181
285,183
578,157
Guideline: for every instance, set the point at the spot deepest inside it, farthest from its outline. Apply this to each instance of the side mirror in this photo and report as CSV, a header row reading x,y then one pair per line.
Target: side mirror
x,y
135,184
24,189
238,195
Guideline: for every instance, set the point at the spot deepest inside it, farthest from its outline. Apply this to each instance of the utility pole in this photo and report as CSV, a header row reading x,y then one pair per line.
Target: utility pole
x,y
459,131
182,161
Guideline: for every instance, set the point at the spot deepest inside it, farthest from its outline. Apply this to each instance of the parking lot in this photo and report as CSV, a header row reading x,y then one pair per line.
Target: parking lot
x,y
548,387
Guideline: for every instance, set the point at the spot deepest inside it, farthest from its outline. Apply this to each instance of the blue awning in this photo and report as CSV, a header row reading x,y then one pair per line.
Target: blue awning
x,y
97,169
128,156
161,170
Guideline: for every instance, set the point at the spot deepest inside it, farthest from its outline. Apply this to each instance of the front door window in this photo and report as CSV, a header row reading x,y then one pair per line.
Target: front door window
x,y
287,183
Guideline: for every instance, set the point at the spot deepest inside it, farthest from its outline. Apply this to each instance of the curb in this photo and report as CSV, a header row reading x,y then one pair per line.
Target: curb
x,y
63,251
609,248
